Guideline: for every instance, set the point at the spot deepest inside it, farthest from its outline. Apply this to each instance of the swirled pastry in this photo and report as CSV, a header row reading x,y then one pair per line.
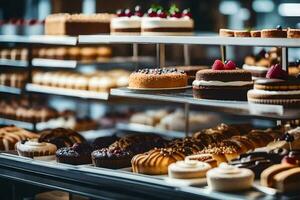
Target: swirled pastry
x,y
156,161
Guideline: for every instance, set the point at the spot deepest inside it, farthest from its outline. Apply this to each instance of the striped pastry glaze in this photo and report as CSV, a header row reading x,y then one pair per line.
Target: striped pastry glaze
x,y
156,161
10,135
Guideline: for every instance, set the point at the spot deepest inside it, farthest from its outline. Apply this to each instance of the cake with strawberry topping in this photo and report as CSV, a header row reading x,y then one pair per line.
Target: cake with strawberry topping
x,y
127,22
277,88
159,22
223,82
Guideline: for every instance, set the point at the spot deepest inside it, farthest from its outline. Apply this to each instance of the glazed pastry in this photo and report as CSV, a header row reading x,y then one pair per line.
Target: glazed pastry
x,y
187,145
258,161
34,149
156,161
226,33
207,158
113,158
158,78
293,33
10,135
61,137
78,154
267,176
229,178
188,169
274,33
255,33
244,33
288,181
234,83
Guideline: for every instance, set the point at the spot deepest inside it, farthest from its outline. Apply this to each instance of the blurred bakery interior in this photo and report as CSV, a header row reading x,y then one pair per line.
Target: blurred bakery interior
x,y
80,76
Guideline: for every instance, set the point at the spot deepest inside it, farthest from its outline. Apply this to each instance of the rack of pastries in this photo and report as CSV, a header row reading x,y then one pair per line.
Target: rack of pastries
x,y
258,159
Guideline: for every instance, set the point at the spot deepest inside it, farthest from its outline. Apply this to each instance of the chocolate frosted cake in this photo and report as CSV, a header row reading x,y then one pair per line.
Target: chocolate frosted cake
x,y
113,158
61,137
78,154
158,78
276,88
222,82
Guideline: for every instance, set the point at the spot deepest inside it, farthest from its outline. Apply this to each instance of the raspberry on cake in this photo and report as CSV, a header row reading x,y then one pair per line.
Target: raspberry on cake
x,y
174,22
158,78
277,88
222,82
127,22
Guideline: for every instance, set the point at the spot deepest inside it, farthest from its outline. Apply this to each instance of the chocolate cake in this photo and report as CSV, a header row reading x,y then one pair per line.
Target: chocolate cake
x,y
113,158
78,154
231,84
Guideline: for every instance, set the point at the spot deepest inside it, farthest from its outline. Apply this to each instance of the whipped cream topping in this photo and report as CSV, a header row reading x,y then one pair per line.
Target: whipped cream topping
x,y
228,171
190,164
34,144
256,68
266,92
172,22
221,83
224,168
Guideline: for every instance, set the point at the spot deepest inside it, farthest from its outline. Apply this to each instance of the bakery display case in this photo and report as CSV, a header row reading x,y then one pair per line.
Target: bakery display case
x,y
79,115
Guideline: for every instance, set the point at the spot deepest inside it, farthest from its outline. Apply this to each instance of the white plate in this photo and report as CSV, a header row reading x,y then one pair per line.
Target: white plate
x,y
158,89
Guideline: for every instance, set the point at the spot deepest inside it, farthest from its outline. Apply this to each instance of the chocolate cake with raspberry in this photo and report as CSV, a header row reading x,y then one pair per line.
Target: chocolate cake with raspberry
x,y
158,78
223,82
277,88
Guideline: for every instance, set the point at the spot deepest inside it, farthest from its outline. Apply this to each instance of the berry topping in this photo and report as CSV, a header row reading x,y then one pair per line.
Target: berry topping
x,y
276,72
176,15
218,65
120,13
187,13
161,14
229,65
138,11
33,21
151,13
279,27
289,160
128,13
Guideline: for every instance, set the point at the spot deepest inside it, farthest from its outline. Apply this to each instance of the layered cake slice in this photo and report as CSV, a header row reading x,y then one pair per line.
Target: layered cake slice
x,y
222,82
174,22
127,22
77,24
276,88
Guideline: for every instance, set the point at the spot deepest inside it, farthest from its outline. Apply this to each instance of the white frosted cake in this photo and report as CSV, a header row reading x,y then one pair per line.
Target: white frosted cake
x,y
167,26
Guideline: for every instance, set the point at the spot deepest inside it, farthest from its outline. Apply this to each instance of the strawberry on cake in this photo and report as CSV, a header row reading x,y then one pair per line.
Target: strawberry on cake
x,y
223,82
277,88
174,22
127,22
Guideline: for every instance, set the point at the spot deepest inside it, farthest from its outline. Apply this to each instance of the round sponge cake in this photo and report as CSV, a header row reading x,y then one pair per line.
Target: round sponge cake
x,y
158,78
222,84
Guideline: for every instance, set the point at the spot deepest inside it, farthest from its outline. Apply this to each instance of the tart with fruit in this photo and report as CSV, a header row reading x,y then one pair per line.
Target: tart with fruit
x,y
127,22
223,82
277,32
277,88
160,22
